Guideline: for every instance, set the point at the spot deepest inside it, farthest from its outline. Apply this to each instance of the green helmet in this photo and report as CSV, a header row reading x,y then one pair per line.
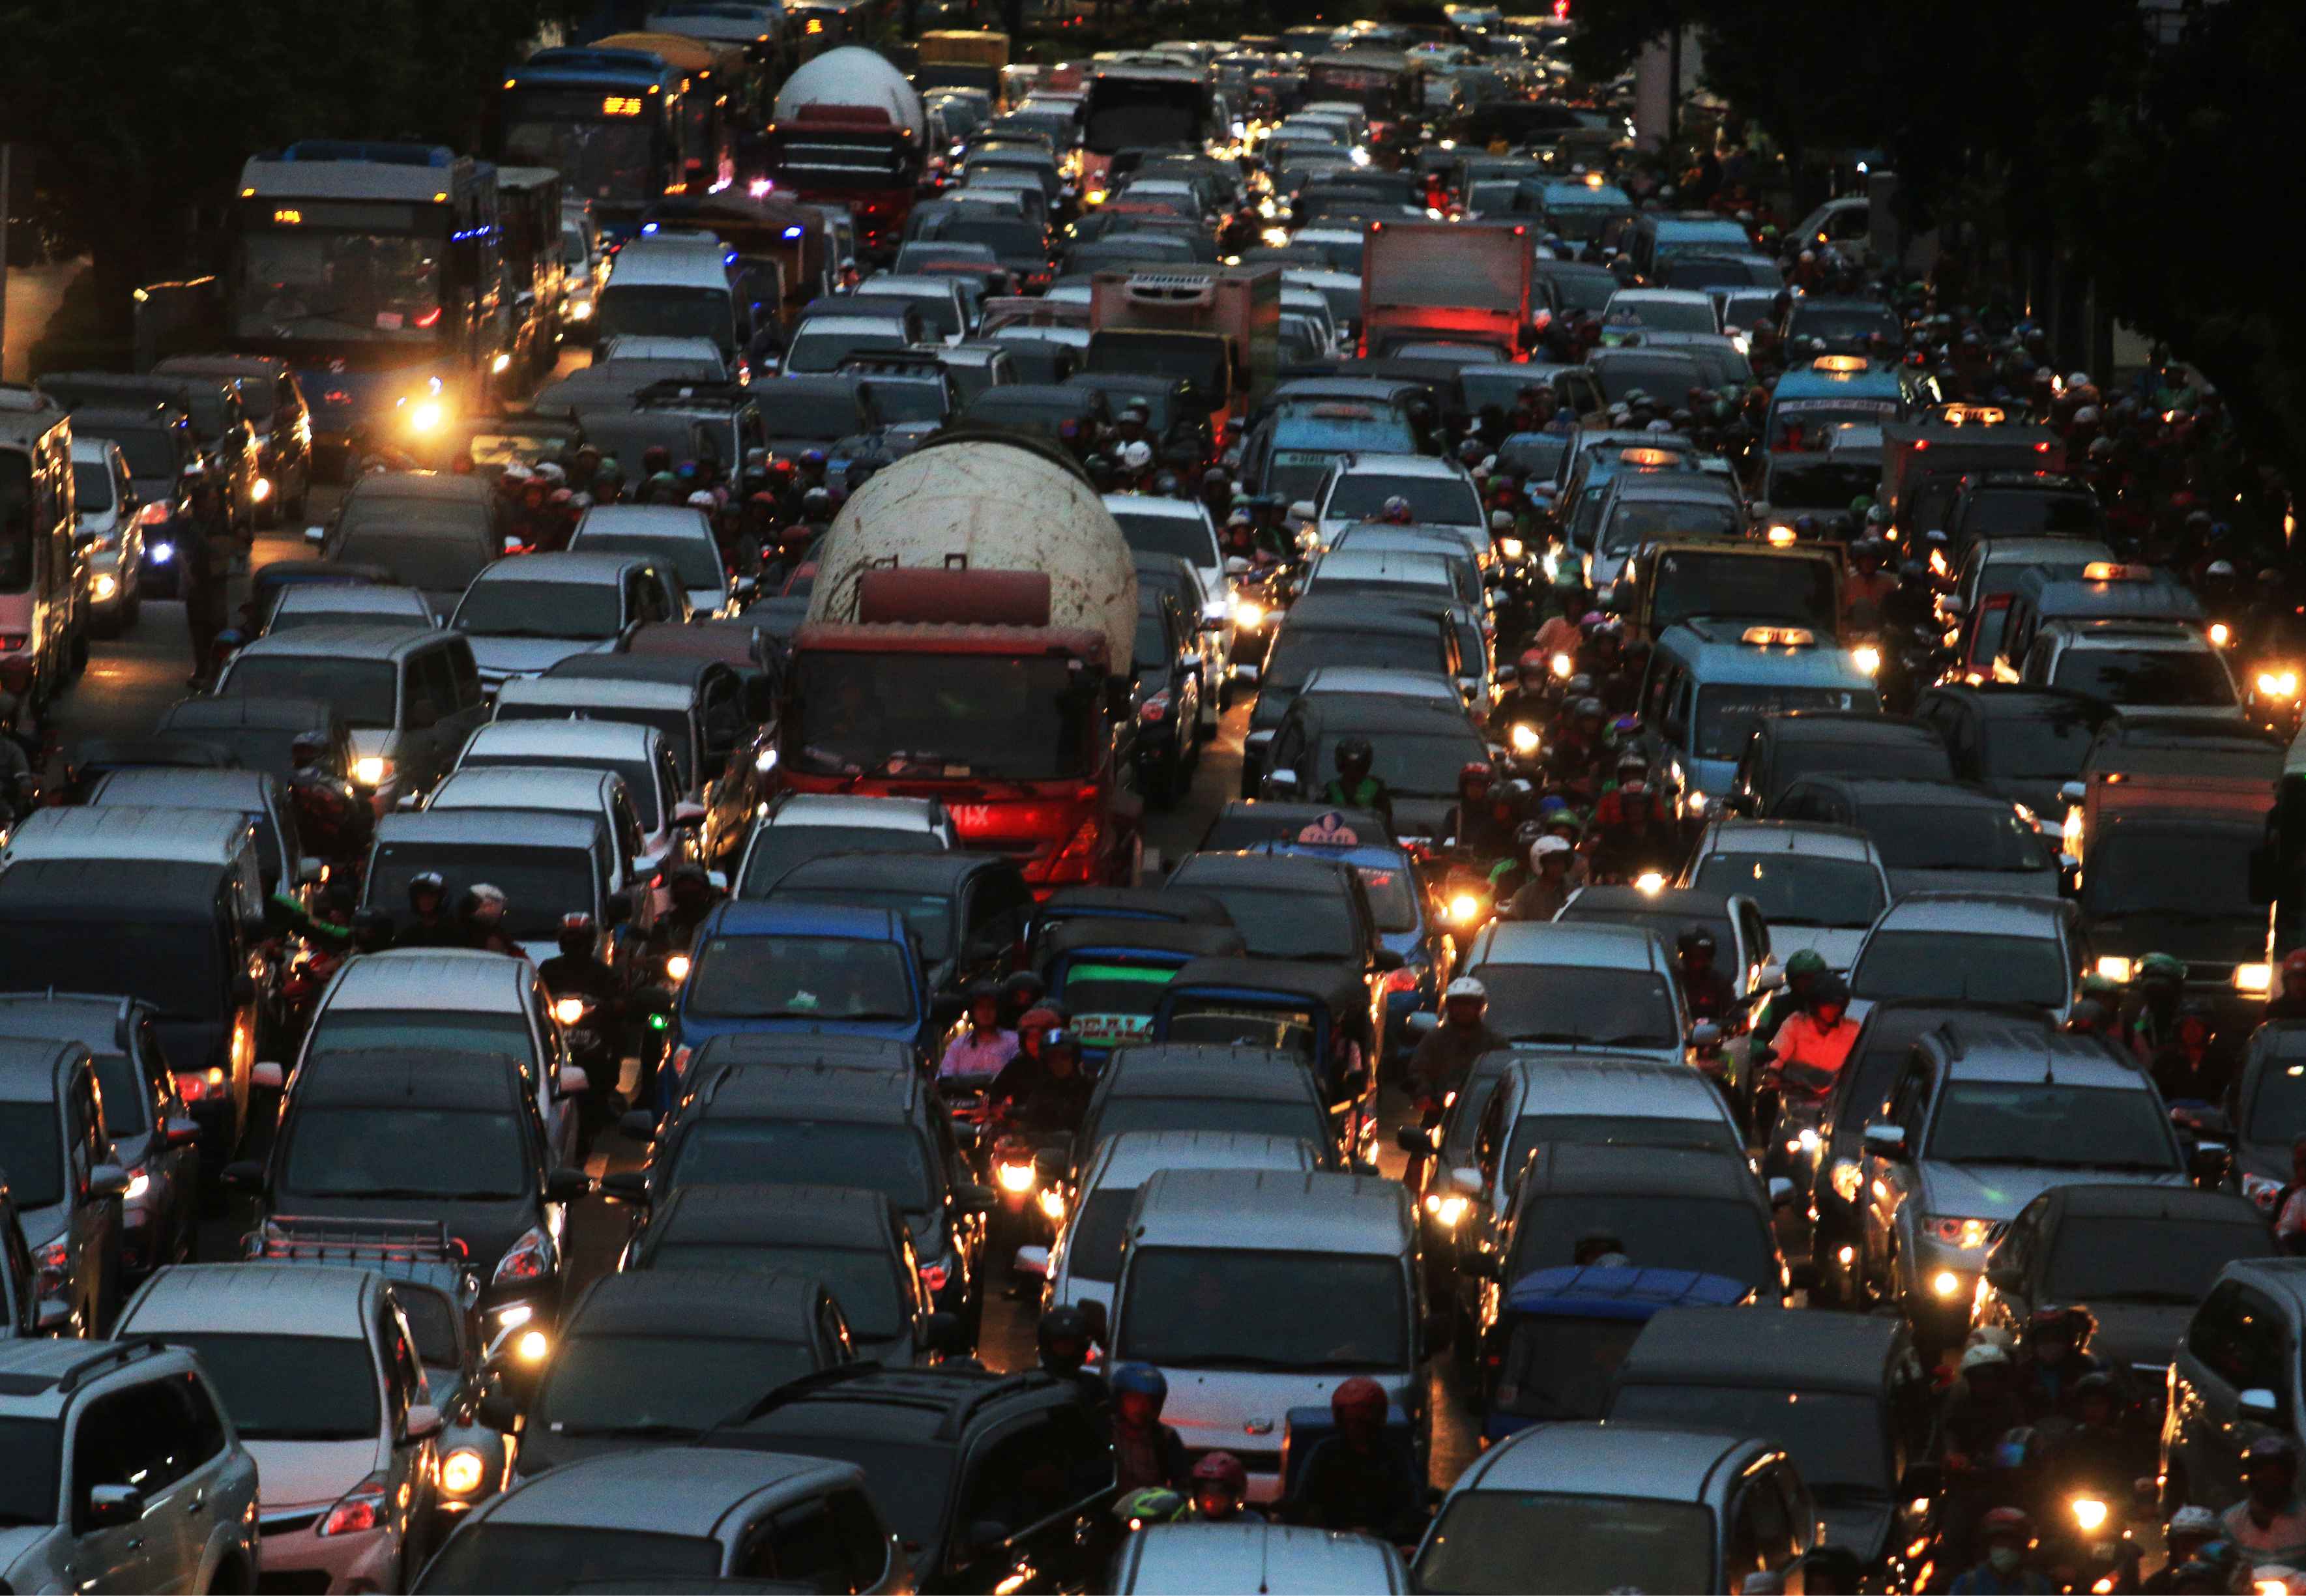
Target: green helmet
x,y
1568,576
1860,505
1155,1504
1808,961
2161,966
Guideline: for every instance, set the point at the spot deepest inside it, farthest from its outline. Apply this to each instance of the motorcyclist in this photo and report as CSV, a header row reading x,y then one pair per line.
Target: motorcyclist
x,y
983,1047
2270,1523
2150,1015
1543,895
1353,1481
1978,1409
2008,1533
2054,1357
481,914
694,896
2291,1003
1486,818
1710,994
432,927
1020,992
1633,825
577,972
2190,1530
1356,785
1220,1487
18,786
1439,1066
2184,1067
1146,1452
1058,1098
371,931
1802,970
1065,1341
330,815
1822,1034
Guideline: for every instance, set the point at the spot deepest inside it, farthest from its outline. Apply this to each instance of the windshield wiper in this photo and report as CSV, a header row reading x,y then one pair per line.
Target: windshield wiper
x,y
1251,1360
654,1431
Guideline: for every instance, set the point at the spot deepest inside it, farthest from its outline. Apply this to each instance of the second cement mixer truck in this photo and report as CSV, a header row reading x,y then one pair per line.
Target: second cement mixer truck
x,y
969,640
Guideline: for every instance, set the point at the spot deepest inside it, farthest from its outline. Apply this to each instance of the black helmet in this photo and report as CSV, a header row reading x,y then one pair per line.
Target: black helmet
x,y
371,930
1064,1339
425,881
1355,753
1697,939
577,934
691,875
817,504
981,991
308,748
1024,988
1065,1041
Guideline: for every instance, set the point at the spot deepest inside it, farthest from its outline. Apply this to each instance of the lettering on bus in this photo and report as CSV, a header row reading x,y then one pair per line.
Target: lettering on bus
x,y
621,105
288,218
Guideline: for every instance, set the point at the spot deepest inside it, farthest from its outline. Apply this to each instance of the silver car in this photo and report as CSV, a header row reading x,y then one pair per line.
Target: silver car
x,y
1184,1559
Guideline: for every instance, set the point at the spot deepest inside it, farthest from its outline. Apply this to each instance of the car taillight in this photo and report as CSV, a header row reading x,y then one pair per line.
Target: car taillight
x,y
198,1086
680,1060
1400,980
933,1276
10,642
51,1266
1155,709
358,1509
1076,855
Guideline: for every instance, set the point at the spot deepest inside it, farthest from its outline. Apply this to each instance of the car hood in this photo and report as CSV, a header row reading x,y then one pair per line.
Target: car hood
x,y
1998,1191
1249,1408
532,656
487,1229
291,1474
1864,1527
1836,944
1422,816
2139,1336
2025,883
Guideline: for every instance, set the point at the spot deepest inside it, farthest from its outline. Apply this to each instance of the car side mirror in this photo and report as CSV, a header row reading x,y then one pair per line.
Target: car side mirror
x,y
688,814
513,544
2072,792
1782,1191
1770,976
1466,1179
497,1412
425,1422
1705,1036
1032,1262
243,987
1504,675
267,1074
2259,1404
745,587
625,1185
1303,509
316,536
987,1537
572,1080
945,1335
976,1198
109,1507
2209,1163
1422,1024
1282,782
1886,1142
181,1133
1415,1140
52,1319
309,870
245,1175
568,1185
1051,1162
108,1180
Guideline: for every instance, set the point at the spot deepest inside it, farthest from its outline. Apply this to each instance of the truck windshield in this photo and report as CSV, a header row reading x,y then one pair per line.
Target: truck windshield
x,y
2187,873
959,716
2024,512
1148,113
339,283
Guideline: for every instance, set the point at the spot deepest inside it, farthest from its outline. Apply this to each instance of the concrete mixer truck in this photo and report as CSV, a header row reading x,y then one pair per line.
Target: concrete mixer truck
x,y
848,131
968,640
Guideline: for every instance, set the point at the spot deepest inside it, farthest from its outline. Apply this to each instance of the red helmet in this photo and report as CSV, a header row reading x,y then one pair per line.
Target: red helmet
x,y
1473,773
2294,968
2013,1522
1360,1394
1222,1469
1534,659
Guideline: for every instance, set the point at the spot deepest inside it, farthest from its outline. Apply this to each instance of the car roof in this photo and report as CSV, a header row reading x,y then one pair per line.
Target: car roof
x,y
785,917
1789,836
494,827
1864,790
1147,504
93,1020
1596,944
186,787
1134,1156
569,788
1297,1211
1390,464
767,1214
130,831
1786,1349
862,810
1377,679
593,739
692,1490
1978,913
340,641
1626,1088
99,890
1381,714
387,1079
255,1297
1841,727
766,1305
1338,986
562,565
1128,934
350,598
945,870
583,692
1642,1460
450,978
1286,872
28,1067
651,520
1252,1555
1566,1167
1990,1048
40,1375
2129,1202
1723,656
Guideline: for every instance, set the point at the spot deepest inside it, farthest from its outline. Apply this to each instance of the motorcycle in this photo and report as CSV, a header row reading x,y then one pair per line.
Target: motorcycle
x,y
1803,1092
1028,1172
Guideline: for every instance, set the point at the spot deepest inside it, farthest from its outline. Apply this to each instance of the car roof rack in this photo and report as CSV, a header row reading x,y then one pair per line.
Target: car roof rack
x,y
690,390
118,1356
301,1237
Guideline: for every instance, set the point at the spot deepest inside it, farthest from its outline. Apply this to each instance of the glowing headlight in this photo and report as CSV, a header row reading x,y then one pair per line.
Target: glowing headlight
x,y
1446,1211
1781,537
1694,801
675,967
104,586
461,1472
1807,1140
1649,881
580,310
1510,547
1053,1205
2281,685
501,365
1465,908
2089,1512
1845,1177
139,1184
2221,633
1524,738
1016,1177
1247,616
369,771
1867,658
425,417
568,1011
2254,977
2114,966
1563,666
531,1346
262,491
1946,1283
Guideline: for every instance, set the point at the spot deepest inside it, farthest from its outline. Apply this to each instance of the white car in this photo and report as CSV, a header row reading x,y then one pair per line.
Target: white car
x,y
1439,494
1151,525
1819,887
674,533
639,753
807,825
547,789
525,615
320,1374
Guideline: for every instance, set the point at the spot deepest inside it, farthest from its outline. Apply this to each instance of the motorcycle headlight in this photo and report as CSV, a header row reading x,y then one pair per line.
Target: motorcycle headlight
x,y
426,416
1563,666
461,1472
1524,738
1016,1177
1465,908
1053,1206
1446,1211
1248,616
2115,967
1946,1285
568,1011
2089,1512
369,771
1509,548
675,967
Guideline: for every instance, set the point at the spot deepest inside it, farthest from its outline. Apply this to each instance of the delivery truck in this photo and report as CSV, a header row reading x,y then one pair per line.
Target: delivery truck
x,y
1216,327
1438,282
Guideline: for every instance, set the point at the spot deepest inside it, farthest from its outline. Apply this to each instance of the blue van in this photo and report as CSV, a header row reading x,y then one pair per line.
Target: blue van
x,y
1833,390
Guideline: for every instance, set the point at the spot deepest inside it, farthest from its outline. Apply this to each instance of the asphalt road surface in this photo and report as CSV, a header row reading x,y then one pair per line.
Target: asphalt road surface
x,y
131,679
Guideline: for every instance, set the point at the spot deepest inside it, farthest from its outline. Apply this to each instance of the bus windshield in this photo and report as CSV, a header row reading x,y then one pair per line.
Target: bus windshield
x,y
374,277
596,159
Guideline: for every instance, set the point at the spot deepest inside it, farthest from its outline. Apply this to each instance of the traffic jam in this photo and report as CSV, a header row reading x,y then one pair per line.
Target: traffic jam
x,y
900,806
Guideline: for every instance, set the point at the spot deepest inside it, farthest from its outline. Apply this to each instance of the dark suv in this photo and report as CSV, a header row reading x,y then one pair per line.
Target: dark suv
x,y
994,1482
2008,504
60,1170
833,1125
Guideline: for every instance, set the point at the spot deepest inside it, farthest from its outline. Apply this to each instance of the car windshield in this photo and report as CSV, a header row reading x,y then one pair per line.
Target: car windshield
x,y
1329,427
2185,874
434,1323
887,1159
539,885
539,1560
287,1387
1663,315
2021,512
1715,1135
1558,1367
1248,1116
959,717
412,1152
930,915
639,775
777,848
664,312
1299,651
431,564
362,691
1567,1003
1185,536
172,964
1727,711
1433,500
1620,373
91,485
1689,582
604,1385
28,1452
32,1154
2045,748
903,401
2012,1122
1218,1022
1411,764
1392,894
670,721
587,612
800,977
2006,970
1276,924
1836,1437
2171,1261
2277,1109
1093,1241
823,347
1535,1544
1793,889
1638,523
1709,1235
150,453
1293,1313
2147,678
865,1284
1942,836
695,562
806,411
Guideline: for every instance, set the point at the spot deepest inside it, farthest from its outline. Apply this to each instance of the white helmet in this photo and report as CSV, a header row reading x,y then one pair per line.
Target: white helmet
x,y
1136,454
1546,845
1984,1356
701,500
1466,986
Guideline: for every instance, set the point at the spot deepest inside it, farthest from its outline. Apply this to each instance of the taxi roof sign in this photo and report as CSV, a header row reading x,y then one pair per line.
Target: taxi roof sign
x,y
1972,415
2109,570
1779,636
1330,831
1840,362
1647,456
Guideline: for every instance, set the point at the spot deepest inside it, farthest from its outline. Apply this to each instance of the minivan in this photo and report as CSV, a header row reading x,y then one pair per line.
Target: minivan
x,y
1260,1291
667,284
